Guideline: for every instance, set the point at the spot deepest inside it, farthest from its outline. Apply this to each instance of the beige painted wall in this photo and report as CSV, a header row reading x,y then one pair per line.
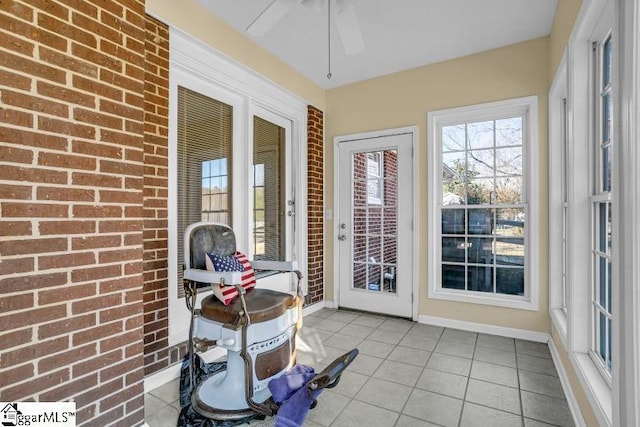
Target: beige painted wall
x,y
563,21
589,417
191,17
403,99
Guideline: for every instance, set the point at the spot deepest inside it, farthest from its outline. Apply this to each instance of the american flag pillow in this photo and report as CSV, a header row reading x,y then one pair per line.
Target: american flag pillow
x,y
248,275
236,262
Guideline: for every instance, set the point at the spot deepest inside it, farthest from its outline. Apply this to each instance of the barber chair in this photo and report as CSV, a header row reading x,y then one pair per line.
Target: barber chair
x,y
258,330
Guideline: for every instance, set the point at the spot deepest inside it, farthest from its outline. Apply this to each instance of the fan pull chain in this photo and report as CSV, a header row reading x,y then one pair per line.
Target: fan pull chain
x,y
329,36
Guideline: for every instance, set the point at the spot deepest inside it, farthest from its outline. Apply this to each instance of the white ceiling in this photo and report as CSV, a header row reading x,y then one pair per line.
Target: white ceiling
x,y
398,34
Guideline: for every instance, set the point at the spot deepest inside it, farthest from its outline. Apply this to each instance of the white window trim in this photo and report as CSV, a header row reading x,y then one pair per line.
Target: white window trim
x,y
626,337
435,120
580,102
200,67
557,97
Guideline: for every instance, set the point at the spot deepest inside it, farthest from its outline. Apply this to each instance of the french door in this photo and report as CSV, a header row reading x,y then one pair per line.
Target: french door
x,y
375,217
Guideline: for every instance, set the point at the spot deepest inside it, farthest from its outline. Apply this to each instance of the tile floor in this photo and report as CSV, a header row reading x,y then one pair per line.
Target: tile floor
x,y
410,374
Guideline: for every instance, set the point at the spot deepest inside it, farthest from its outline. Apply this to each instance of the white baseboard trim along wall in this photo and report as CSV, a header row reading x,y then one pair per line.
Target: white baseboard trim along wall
x,y
485,329
578,419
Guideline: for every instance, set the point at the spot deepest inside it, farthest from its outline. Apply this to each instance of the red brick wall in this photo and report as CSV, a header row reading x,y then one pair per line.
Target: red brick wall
x,y
156,96
71,205
315,205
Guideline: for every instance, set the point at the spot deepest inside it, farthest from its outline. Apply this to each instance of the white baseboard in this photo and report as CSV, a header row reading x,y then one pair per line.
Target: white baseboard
x,y
330,304
485,329
310,309
578,419
160,378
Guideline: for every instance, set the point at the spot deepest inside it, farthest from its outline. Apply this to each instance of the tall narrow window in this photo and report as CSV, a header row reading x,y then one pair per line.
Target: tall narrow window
x,y
269,204
204,163
601,202
564,191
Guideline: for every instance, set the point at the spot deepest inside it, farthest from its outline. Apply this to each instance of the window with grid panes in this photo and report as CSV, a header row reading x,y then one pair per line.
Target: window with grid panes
x,y
483,211
601,203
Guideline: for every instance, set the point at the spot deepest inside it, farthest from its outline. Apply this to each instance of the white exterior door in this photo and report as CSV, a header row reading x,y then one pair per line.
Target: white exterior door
x,y
375,218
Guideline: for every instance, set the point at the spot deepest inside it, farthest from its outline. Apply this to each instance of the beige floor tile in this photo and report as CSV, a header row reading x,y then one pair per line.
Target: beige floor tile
x,y
411,356
362,414
397,372
494,395
453,364
433,407
480,416
497,374
443,383
385,394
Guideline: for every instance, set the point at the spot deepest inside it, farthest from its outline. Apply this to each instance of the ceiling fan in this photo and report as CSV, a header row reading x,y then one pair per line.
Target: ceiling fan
x,y
343,12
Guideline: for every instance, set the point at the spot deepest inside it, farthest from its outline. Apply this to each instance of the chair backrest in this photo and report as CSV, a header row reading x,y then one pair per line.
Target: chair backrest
x,y
207,237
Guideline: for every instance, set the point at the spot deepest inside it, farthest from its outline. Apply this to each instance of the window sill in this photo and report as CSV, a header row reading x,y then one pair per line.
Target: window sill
x,y
471,297
597,390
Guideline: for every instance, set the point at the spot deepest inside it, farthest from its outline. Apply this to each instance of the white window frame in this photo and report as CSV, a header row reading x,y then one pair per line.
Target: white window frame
x,y
199,67
598,196
559,149
527,107
580,180
626,230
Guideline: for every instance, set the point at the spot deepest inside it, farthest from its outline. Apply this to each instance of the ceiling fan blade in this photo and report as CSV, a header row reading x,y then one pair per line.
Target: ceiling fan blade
x,y
348,27
270,17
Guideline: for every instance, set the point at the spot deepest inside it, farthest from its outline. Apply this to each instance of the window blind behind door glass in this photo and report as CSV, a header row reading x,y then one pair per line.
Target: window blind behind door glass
x,y
204,164
268,191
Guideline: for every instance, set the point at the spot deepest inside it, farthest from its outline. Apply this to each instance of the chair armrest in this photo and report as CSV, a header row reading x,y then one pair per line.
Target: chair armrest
x,y
275,265
206,276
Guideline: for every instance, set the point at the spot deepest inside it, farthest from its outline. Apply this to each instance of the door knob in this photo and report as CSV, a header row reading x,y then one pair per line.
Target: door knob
x,y
342,237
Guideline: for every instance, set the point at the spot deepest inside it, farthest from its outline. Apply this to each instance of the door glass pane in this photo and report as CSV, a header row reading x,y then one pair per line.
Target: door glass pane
x,y
269,194
203,163
359,275
374,220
